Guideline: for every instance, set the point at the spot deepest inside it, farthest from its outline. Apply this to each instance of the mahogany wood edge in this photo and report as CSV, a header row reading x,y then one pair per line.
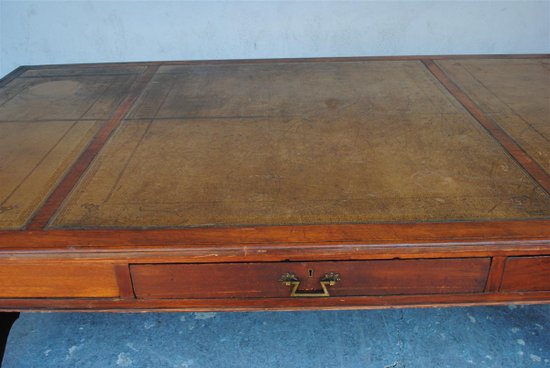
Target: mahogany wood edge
x,y
258,304
494,129
4,81
45,213
445,234
286,60
282,253
496,272
124,281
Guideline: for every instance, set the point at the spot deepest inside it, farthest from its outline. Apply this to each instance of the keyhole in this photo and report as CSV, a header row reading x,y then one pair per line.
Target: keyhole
x,y
310,273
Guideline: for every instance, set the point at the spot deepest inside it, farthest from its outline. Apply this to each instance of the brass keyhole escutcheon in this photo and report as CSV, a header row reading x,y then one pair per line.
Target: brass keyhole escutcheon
x,y
310,273
290,279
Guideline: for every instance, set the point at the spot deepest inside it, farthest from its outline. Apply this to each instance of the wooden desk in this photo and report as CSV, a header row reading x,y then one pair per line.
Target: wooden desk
x,y
276,184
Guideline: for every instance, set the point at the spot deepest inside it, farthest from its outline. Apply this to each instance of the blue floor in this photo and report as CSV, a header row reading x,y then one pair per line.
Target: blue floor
x,y
507,336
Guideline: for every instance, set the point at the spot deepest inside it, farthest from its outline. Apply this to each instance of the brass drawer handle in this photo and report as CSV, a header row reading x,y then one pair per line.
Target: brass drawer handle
x,y
290,279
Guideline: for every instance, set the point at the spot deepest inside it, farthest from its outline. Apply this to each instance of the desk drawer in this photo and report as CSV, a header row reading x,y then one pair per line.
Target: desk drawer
x,y
67,279
526,274
309,279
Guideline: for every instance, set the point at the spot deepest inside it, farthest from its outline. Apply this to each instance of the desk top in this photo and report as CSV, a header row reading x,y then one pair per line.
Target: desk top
x,y
280,142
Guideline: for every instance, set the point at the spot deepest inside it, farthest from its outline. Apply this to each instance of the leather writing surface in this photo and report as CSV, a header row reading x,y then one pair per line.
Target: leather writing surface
x,y
514,93
47,117
299,143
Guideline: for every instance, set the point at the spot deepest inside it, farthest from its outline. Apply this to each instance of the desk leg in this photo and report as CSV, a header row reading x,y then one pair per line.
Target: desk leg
x,y
6,321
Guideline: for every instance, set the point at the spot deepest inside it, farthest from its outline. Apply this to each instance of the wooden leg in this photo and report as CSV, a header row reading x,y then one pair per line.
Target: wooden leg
x,y
6,321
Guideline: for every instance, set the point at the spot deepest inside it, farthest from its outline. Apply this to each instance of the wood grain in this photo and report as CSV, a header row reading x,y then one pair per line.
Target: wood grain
x,y
124,281
512,234
248,280
495,274
526,274
340,303
57,280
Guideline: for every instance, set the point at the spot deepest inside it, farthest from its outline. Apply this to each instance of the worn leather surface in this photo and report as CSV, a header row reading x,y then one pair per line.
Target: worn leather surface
x,y
514,93
47,117
299,143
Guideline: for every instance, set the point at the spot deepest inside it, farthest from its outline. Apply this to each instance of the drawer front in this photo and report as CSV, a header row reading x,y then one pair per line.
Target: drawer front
x,y
526,274
356,278
65,279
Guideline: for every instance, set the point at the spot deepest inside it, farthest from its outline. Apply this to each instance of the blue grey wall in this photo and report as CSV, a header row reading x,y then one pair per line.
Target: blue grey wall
x,y
45,32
